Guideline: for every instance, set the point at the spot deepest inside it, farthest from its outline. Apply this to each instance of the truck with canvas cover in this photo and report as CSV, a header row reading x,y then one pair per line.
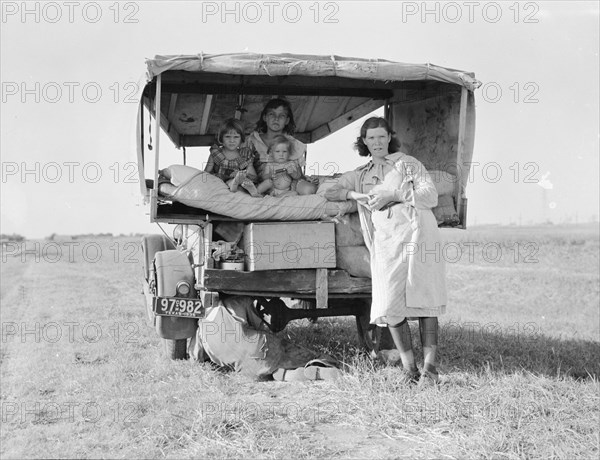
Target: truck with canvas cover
x,y
290,247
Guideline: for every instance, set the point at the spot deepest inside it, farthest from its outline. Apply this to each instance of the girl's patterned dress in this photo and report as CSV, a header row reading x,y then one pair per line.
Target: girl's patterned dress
x,y
226,169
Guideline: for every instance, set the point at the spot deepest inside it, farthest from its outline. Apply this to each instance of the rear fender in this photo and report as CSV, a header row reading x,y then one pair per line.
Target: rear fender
x,y
151,244
171,267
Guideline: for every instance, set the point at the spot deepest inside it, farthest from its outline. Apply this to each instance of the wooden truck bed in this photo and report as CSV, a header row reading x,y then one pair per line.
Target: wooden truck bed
x,y
306,283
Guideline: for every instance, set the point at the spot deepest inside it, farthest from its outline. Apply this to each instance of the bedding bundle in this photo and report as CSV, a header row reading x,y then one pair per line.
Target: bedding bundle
x,y
199,189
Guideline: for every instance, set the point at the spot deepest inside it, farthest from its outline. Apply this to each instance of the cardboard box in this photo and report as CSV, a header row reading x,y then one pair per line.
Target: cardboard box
x,y
289,245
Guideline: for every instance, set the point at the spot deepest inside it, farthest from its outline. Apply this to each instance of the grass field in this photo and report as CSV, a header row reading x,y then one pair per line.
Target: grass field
x,y
84,376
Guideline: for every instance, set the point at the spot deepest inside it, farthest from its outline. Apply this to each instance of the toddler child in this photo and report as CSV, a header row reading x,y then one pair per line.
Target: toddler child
x,y
279,172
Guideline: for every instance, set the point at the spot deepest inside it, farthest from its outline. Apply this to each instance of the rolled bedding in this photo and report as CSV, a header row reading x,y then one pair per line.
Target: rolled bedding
x,y
202,190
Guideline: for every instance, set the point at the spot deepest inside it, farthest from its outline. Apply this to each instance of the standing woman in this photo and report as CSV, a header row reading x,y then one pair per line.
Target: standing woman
x,y
395,196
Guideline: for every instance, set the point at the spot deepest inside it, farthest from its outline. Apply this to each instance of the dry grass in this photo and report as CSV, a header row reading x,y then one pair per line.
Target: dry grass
x,y
519,354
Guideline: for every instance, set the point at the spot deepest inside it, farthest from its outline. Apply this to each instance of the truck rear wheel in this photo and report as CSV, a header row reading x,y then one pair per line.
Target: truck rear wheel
x,y
176,349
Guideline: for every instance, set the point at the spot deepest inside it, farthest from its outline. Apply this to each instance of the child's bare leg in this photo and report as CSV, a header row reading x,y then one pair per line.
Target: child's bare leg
x,y
403,341
232,185
265,186
429,339
249,186
236,181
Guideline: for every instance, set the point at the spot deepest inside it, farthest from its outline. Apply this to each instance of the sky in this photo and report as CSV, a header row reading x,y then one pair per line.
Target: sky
x,y
70,73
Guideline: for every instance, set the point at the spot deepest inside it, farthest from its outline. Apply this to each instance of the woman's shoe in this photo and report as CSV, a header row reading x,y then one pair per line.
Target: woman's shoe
x,y
290,375
409,377
319,369
428,379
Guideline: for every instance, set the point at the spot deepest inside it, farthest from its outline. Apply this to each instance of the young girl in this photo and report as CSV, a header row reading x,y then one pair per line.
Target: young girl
x,y
279,172
228,162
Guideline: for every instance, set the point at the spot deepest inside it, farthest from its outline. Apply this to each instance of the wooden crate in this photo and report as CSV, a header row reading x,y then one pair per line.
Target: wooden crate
x,y
289,245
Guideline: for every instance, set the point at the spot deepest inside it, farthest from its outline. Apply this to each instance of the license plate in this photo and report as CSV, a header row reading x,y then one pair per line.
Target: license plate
x,y
178,306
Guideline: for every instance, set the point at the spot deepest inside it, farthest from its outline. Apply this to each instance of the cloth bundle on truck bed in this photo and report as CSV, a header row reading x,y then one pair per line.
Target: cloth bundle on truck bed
x,y
199,189
350,251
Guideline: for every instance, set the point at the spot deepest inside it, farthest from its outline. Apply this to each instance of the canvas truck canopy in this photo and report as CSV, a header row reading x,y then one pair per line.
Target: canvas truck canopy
x,y
431,108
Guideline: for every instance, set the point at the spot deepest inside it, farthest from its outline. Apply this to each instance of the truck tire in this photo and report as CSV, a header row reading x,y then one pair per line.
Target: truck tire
x,y
176,349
